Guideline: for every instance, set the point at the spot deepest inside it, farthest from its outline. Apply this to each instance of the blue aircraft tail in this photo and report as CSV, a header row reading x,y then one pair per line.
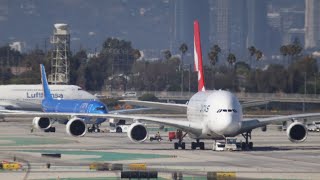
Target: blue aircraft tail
x,y
46,91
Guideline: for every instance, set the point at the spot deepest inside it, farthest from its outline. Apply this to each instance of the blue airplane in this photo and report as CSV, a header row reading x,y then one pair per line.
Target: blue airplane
x,y
76,126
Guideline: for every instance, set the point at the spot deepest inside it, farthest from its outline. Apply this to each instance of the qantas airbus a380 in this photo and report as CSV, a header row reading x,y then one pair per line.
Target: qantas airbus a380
x,y
211,115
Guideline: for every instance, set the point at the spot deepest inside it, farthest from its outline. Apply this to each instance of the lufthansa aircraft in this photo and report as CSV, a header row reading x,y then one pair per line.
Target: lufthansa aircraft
x,y
28,97
211,115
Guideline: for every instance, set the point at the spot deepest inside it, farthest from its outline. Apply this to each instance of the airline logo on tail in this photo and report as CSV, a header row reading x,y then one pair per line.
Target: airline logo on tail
x,y
45,86
198,56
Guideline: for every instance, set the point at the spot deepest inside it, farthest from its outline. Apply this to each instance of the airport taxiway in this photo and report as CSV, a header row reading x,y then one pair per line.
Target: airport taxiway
x,y
274,156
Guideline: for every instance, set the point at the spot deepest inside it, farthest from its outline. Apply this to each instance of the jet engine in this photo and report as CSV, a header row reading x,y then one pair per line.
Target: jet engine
x,y
41,123
76,127
297,132
137,132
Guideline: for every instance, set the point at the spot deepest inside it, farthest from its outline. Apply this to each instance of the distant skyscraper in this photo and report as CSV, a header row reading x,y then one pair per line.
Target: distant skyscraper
x,y
292,25
184,13
220,24
257,24
228,25
4,10
239,27
312,24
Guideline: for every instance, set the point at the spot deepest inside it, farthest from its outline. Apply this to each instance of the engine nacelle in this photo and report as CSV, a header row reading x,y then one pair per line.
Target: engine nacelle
x,y
297,132
42,123
137,132
76,127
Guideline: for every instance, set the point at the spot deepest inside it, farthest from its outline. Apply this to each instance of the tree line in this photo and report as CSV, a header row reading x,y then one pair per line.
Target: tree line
x,y
119,66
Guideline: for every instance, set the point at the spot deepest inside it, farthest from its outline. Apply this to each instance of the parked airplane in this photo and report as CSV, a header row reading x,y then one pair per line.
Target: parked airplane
x,y
211,115
29,97
75,125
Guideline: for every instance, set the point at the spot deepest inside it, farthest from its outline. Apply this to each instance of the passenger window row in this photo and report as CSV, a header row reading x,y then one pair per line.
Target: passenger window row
x,y
226,110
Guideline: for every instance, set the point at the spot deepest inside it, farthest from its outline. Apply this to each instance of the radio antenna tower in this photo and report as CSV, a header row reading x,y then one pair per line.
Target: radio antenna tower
x,y
61,48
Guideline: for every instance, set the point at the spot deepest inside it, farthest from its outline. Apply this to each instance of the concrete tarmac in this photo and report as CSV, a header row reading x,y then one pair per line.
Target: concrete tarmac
x,y
273,157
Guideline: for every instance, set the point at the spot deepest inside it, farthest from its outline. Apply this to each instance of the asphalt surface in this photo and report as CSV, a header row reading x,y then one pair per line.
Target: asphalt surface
x,y
273,156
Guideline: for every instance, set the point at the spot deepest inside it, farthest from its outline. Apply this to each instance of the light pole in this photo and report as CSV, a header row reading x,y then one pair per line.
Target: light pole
x,y
189,77
305,92
315,83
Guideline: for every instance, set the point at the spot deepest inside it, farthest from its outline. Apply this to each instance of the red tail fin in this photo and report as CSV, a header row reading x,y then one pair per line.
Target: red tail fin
x,y
198,56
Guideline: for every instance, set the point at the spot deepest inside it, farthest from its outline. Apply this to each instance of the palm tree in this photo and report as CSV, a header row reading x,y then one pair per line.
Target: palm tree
x,y
297,46
231,59
167,54
252,51
217,49
259,55
183,48
284,51
214,57
214,54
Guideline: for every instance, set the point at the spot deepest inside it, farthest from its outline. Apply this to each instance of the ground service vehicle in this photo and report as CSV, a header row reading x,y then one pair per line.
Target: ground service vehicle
x,y
230,144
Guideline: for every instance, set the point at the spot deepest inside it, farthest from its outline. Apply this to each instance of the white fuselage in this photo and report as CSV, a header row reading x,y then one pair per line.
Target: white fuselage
x,y
29,97
219,112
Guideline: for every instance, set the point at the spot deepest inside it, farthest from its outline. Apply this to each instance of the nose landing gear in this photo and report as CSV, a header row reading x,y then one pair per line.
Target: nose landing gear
x,y
94,128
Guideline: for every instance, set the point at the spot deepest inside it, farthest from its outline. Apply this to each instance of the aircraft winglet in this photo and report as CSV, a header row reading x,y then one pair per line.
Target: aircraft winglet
x,y
198,56
45,86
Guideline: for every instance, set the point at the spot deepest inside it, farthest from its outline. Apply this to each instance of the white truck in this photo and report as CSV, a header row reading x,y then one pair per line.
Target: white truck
x,y
230,144
118,126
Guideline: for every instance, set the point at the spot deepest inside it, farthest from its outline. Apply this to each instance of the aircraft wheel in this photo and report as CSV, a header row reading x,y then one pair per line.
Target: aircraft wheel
x,y
250,145
183,145
243,146
193,145
201,145
175,145
119,130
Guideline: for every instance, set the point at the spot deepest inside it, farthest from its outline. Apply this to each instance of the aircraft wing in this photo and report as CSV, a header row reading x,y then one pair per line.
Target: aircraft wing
x,y
249,124
158,105
254,103
126,111
192,127
181,107
7,105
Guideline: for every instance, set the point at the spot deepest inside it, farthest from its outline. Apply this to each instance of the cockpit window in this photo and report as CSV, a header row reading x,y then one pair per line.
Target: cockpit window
x,y
227,110
101,108
79,89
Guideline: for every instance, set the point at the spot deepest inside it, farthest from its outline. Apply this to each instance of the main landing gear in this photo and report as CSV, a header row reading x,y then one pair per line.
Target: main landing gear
x,y
194,145
247,145
180,136
94,128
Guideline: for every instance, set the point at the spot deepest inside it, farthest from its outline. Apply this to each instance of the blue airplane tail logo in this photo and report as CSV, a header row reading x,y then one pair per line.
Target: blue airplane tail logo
x,y
45,86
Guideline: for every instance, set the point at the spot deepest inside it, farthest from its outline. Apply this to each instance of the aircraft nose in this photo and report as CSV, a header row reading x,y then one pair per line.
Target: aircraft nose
x,y
226,125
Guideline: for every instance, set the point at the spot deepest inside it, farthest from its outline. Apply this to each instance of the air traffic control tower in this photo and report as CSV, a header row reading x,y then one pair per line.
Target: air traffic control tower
x,y
61,48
